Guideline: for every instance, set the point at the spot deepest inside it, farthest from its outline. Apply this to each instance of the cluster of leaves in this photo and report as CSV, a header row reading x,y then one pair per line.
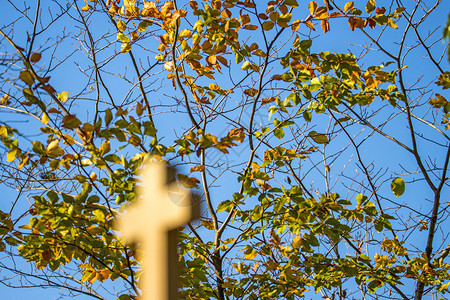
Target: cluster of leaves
x,y
268,234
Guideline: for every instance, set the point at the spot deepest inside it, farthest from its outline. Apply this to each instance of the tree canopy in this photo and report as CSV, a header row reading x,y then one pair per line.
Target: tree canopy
x,y
315,134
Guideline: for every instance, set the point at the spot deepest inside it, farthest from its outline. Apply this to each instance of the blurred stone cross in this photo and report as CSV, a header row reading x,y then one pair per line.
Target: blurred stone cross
x,y
161,207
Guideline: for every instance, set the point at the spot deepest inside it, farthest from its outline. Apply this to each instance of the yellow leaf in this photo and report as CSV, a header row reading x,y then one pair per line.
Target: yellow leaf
x,y
310,25
246,65
4,100
325,25
63,96
45,118
126,47
53,150
392,23
184,33
348,6
23,162
297,242
11,155
105,148
295,25
168,65
251,255
312,6
370,6
68,140
121,25
236,134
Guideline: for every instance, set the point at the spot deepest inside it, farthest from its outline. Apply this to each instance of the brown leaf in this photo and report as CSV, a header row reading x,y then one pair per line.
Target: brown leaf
x,y
47,255
267,100
35,57
263,16
380,10
335,15
188,182
250,27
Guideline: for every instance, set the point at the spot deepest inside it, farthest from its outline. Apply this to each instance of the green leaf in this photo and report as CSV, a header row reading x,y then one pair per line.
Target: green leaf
x,y
370,6
71,122
398,186
27,77
123,38
108,116
292,3
144,24
319,138
267,25
38,148
279,133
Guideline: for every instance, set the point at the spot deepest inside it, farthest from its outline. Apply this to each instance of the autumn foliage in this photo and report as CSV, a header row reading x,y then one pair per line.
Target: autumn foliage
x,y
304,149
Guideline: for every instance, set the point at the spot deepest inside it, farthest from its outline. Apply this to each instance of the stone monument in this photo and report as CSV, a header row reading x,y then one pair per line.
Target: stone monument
x,y
161,207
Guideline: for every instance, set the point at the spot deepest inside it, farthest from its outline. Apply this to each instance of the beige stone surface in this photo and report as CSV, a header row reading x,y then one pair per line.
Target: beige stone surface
x,y
162,208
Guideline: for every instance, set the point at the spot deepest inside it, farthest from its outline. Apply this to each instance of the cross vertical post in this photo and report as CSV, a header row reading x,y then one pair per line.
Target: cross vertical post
x,y
160,208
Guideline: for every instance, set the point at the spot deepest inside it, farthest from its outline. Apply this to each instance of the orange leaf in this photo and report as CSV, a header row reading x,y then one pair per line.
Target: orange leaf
x,y
199,168
134,35
236,134
267,100
335,15
325,26
312,6
193,4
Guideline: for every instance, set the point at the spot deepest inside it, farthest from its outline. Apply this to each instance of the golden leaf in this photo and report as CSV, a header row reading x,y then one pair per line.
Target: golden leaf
x,y
297,242
312,6
295,25
199,168
322,13
310,25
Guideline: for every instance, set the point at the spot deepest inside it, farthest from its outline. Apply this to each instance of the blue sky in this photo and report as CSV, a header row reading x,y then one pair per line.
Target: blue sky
x,y
339,39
